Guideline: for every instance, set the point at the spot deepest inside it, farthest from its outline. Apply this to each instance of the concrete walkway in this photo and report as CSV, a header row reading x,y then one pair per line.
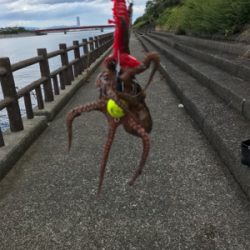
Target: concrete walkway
x,y
185,198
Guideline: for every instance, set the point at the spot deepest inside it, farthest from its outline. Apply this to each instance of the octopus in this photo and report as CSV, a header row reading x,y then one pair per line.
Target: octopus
x,y
121,99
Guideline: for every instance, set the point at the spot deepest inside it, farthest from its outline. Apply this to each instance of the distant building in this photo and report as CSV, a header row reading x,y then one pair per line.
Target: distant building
x,y
77,21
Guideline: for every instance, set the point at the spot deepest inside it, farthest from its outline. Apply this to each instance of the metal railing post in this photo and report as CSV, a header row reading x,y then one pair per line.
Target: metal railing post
x,y
9,90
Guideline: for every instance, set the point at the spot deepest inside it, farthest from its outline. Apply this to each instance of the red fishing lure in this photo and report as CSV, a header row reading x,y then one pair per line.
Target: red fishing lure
x,y
121,54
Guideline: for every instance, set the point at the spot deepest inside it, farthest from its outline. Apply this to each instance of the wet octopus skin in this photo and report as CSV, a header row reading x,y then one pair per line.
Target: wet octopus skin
x,y
137,119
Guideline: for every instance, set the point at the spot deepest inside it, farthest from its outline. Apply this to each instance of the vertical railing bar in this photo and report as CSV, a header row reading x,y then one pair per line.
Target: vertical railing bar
x,y
9,90
91,49
95,48
77,56
86,52
1,139
69,76
55,85
62,83
28,106
81,66
85,46
45,72
39,97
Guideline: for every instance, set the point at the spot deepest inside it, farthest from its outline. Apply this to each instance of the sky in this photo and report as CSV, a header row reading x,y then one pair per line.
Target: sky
x,y
47,13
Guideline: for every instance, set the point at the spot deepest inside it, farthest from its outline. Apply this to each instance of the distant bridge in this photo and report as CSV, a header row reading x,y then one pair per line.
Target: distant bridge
x,y
74,28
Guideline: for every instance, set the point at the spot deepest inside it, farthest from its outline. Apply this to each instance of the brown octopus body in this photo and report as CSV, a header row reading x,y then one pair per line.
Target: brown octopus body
x,y
137,119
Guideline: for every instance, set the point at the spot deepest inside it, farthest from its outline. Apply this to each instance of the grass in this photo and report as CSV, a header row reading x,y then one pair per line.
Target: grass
x,y
206,17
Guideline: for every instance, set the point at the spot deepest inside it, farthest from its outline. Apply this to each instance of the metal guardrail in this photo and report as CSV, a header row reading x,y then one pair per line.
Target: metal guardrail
x,y
52,82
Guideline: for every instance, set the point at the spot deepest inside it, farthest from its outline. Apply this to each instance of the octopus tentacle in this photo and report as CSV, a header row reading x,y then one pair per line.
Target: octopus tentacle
x,y
146,146
111,134
98,105
150,57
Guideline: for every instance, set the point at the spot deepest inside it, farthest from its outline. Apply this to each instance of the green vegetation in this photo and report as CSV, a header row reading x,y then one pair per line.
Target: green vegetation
x,y
154,9
13,30
197,17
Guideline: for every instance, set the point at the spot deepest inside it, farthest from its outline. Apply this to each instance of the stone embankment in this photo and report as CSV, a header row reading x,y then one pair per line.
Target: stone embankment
x,y
211,78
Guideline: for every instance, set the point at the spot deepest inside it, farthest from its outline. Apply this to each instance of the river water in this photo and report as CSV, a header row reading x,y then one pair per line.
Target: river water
x,y
20,48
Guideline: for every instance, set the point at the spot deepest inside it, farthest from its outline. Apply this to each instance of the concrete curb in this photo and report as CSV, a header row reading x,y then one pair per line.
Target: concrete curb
x,y
214,131
16,143
52,108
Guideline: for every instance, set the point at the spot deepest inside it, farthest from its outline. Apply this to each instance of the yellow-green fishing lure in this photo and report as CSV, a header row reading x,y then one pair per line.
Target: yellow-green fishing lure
x,y
114,110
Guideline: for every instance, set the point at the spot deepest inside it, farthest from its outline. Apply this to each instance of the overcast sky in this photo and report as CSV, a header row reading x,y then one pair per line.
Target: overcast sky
x,y
45,13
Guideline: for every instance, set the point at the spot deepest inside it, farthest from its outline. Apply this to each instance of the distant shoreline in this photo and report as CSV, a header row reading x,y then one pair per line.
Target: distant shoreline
x,y
24,34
